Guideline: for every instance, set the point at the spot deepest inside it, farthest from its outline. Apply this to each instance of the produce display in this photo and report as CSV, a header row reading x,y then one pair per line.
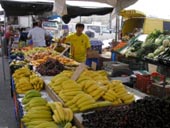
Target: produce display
x,y
119,46
40,55
16,64
149,112
42,114
91,90
17,55
50,68
164,57
139,49
38,114
25,80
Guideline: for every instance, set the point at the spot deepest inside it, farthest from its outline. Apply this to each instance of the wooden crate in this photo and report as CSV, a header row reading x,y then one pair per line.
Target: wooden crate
x,y
55,97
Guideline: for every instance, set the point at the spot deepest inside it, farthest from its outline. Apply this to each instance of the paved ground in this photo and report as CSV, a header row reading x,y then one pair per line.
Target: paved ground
x,y
7,115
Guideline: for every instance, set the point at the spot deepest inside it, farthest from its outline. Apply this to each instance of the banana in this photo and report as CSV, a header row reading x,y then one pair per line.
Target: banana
x,y
52,106
47,125
104,103
73,93
92,88
60,112
68,114
96,92
89,83
83,99
127,97
56,118
32,93
69,103
91,106
40,108
68,125
77,97
108,98
58,104
98,96
92,101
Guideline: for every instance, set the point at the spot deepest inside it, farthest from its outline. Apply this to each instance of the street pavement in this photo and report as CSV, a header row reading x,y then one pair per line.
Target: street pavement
x,y
7,115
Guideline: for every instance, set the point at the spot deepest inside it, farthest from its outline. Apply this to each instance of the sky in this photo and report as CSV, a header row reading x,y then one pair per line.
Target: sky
x,y
156,8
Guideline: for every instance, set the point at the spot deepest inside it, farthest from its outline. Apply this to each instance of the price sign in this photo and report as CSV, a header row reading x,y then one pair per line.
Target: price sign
x,y
94,65
78,71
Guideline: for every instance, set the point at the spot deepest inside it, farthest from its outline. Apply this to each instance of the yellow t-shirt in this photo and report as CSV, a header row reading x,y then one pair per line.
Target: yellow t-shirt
x,y
79,45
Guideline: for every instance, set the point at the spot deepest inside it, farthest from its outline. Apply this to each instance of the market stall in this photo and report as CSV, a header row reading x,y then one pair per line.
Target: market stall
x,y
52,90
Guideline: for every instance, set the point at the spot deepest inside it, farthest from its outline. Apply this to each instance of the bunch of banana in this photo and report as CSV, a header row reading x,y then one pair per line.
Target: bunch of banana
x,y
69,89
21,72
36,82
127,98
92,88
61,115
29,95
81,102
121,92
56,83
38,114
23,85
111,96
34,102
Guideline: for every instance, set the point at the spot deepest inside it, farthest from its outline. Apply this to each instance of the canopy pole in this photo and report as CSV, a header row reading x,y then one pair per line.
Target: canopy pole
x,y
2,47
110,21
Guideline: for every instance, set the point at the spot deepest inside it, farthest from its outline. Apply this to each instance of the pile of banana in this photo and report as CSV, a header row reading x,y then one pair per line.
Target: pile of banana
x,y
62,116
25,80
92,90
36,82
38,114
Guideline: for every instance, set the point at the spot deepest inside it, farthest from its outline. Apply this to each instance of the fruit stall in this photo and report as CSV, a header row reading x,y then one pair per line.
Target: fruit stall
x,y
50,90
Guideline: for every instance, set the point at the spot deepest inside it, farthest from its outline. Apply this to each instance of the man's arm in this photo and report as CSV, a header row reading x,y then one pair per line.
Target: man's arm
x,y
29,35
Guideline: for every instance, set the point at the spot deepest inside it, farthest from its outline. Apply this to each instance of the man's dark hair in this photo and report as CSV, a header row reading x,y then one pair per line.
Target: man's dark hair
x,y
35,24
80,25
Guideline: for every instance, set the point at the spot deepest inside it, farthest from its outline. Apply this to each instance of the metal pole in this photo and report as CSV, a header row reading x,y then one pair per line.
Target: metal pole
x,y
80,19
3,62
110,21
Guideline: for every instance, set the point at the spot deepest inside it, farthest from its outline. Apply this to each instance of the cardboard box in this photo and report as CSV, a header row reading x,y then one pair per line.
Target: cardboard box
x,y
93,54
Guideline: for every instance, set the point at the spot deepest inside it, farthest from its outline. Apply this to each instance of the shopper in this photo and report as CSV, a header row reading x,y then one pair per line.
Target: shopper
x,y
38,35
8,38
79,43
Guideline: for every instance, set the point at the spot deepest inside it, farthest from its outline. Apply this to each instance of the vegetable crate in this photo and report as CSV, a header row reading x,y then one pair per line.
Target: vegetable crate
x,y
143,83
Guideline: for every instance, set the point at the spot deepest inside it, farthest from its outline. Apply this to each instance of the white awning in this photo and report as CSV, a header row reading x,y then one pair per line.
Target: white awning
x,y
61,9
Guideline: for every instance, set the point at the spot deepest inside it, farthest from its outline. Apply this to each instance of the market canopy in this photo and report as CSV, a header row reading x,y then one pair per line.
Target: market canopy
x,y
131,13
25,7
61,8
74,11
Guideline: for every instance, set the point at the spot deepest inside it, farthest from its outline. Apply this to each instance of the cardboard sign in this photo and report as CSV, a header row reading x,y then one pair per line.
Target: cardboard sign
x,y
94,65
78,71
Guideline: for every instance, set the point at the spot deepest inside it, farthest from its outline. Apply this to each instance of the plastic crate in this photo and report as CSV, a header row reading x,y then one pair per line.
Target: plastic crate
x,y
143,83
96,45
90,60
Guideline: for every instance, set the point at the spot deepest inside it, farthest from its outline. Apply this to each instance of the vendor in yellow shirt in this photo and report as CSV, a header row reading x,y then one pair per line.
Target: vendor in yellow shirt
x,y
79,43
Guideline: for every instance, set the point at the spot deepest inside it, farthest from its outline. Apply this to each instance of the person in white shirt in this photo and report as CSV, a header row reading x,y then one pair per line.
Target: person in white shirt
x,y
38,35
